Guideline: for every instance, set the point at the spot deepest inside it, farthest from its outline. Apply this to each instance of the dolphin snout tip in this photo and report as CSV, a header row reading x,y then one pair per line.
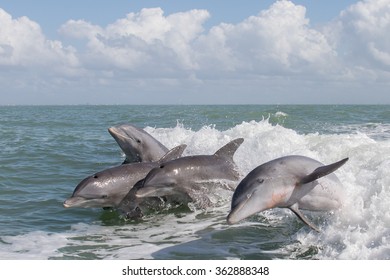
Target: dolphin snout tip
x,y
229,222
230,219
112,130
70,202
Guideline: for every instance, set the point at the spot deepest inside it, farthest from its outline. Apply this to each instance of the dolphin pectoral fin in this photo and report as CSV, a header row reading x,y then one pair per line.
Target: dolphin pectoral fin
x,y
322,171
295,209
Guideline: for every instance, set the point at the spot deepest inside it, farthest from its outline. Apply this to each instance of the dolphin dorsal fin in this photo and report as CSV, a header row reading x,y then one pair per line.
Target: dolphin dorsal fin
x,y
229,149
174,153
322,171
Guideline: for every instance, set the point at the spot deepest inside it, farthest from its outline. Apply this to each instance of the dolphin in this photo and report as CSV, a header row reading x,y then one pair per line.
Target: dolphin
x,y
137,144
294,182
107,188
193,178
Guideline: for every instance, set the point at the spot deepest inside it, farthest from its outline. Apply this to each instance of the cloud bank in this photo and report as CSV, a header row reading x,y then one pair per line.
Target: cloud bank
x,y
270,57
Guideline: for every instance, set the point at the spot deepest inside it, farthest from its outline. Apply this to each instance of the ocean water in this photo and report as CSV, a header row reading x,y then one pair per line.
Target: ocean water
x,y
47,150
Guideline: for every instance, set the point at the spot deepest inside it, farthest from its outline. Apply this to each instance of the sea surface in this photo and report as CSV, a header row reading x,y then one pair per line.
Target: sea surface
x,y
45,151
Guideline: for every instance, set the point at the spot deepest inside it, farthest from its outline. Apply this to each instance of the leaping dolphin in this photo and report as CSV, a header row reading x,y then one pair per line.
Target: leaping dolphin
x,y
294,182
108,187
190,177
137,144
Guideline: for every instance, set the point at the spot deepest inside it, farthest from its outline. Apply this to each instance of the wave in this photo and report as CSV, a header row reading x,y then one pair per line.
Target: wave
x,y
359,230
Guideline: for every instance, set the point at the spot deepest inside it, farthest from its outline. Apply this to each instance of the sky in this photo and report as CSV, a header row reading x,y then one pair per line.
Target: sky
x,y
194,52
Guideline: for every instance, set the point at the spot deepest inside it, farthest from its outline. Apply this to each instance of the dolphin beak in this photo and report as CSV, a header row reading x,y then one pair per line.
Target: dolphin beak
x,y
112,131
237,213
155,191
74,202
117,133
146,192
249,206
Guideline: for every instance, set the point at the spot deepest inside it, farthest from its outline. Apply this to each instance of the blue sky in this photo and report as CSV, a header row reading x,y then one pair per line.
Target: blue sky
x,y
194,52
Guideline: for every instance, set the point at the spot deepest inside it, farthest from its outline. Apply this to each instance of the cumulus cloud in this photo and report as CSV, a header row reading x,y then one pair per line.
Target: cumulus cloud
x,y
278,41
23,44
360,35
147,40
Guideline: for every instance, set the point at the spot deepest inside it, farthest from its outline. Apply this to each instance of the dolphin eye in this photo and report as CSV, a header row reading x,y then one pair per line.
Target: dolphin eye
x,y
260,180
162,166
138,141
95,176
104,196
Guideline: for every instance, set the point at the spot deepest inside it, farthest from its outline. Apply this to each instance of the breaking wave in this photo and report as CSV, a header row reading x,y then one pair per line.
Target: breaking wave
x,y
360,230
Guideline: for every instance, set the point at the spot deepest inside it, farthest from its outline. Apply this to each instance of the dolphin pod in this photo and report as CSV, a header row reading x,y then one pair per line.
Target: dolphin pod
x,y
153,175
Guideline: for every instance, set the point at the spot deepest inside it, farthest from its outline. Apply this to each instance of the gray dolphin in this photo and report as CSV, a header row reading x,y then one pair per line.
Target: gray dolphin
x,y
137,144
294,182
193,177
108,187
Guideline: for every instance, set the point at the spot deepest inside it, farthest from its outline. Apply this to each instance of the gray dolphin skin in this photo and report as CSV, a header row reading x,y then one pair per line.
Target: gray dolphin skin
x,y
108,187
137,144
193,177
294,182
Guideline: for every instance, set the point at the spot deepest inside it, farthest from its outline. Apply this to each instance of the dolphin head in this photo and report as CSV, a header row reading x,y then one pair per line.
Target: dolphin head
x,y
137,144
129,139
252,195
103,189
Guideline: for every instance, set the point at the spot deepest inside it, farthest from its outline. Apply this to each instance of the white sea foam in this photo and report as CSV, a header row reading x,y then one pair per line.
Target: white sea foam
x,y
361,229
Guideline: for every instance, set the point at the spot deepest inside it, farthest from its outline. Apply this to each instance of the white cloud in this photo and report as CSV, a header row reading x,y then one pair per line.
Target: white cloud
x,y
148,44
361,36
278,41
143,41
23,44
276,50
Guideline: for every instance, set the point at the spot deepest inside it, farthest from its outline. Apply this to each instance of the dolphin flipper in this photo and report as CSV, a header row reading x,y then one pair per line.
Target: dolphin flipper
x,y
322,171
299,214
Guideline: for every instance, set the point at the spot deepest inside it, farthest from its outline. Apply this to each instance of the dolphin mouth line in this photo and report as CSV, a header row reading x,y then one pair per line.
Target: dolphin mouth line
x,y
80,203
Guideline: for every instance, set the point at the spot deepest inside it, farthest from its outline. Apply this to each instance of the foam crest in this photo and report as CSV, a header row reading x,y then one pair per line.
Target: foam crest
x,y
361,229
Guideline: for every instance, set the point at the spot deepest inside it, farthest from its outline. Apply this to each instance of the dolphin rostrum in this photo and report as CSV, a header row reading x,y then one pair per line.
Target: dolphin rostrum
x,y
137,144
193,178
108,187
294,182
